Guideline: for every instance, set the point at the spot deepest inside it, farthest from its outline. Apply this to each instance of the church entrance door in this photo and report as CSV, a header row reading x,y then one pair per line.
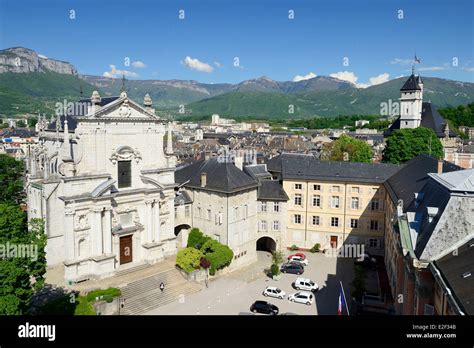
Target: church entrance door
x,y
125,249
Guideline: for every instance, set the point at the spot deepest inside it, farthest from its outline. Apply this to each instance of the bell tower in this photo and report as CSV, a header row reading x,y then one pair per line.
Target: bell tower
x,y
411,102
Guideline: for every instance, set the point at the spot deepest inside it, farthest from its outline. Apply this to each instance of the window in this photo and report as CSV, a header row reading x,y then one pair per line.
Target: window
x,y
236,213
219,218
355,189
335,189
187,211
354,223
298,199
298,186
176,212
317,187
264,207
208,214
276,207
374,204
316,220
124,169
316,201
297,218
374,225
263,225
217,237
373,242
335,202
276,225
334,222
355,203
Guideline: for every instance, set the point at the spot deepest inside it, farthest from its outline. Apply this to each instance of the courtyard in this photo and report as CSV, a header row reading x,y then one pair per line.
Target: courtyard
x,y
234,293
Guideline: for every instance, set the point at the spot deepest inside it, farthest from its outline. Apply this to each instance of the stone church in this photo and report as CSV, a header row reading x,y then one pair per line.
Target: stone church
x,y
103,181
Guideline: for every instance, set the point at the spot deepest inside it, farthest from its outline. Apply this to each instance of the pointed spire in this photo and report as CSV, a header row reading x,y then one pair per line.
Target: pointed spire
x,y
169,141
122,88
66,143
413,69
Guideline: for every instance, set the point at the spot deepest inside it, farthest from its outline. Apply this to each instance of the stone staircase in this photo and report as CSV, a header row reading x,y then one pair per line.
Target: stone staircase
x,y
144,295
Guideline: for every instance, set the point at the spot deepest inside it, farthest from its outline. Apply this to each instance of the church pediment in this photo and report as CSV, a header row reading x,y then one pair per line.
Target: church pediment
x,y
123,109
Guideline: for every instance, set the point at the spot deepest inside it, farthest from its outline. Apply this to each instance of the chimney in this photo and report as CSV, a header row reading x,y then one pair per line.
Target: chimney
x,y
239,161
203,179
440,166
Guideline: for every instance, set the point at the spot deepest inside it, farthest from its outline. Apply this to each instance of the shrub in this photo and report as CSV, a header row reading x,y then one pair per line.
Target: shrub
x,y
83,307
275,269
277,257
197,239
359,282
219,255
204,263
316,248
294,247
189,259
110,292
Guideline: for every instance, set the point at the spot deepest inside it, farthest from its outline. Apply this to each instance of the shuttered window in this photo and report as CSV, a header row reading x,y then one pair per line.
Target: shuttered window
x,y
124,174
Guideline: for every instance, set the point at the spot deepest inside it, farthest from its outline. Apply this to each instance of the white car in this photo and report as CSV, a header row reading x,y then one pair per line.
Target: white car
x,y
274,292
298,259
302,297
306,284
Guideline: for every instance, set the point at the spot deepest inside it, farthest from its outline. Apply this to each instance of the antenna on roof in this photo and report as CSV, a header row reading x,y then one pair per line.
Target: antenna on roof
x,y
122,88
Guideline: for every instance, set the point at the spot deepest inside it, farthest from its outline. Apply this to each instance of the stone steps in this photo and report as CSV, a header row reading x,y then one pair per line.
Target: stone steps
x,y
144,295
129,270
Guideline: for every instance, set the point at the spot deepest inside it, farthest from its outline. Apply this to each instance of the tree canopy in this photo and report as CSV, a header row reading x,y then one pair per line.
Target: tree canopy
x,y
404,144
357,150
11,184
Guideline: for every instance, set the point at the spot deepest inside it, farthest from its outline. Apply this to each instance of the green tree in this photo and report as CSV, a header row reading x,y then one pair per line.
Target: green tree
x,y
277,257
11,184
188,259
219,255
21,124
32,122
22,259
404,144
196,238
357,150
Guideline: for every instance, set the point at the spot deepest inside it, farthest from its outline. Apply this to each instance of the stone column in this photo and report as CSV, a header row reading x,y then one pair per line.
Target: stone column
x,y
149,226
107,231
97,231
69,253
156,218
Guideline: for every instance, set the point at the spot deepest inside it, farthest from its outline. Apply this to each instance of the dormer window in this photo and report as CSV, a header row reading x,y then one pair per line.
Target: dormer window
x,y
432,212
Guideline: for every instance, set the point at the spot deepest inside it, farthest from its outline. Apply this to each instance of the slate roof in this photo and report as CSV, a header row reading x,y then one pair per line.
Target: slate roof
x,y
412,176
308,167
430,118
459,181
452,267
411,84
222,177
271,190
258,171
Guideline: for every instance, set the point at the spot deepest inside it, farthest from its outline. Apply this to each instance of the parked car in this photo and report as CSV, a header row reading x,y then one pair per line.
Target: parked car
x,y
367,261
273,291
306,284
292,267
264,307
303,256
299,259
302,297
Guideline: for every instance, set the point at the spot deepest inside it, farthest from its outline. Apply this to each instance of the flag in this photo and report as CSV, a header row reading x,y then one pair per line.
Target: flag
x,y
417,60
342,302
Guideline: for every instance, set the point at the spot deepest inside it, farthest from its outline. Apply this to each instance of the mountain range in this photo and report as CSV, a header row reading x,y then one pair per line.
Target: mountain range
x,y
30,83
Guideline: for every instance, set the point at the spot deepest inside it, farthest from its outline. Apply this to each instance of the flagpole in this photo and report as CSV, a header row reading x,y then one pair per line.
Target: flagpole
x,y
345,300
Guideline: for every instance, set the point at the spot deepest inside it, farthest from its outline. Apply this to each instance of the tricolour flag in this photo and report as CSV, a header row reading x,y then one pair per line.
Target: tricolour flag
x,y
342,303
417,60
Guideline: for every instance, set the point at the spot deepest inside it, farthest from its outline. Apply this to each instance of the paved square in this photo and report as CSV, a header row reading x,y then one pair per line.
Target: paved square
x,y
234,293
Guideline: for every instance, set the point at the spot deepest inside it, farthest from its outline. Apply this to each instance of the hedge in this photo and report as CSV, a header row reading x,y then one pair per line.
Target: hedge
x,y
106,293
188,259
197,239
219,255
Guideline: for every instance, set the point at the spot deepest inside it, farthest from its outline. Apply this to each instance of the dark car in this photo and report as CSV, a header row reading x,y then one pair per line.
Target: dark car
x,y
292,267
264,307
367,261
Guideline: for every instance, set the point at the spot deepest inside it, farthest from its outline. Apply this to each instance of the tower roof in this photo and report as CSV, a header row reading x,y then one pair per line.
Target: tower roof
x,y
411,84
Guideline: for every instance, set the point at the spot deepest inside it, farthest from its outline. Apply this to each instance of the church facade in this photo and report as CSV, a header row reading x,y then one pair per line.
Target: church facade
x,y
103,181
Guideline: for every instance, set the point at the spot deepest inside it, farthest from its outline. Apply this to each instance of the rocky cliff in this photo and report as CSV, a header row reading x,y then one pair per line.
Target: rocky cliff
x,y
24,60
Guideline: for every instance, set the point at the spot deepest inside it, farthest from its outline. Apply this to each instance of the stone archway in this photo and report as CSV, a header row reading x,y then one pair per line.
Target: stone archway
x,y
266,244
181,232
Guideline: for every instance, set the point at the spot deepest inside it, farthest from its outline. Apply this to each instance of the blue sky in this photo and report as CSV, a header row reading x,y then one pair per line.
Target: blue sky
x,y
203,45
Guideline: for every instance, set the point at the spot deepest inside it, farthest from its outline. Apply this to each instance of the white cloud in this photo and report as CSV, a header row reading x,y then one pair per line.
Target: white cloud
x,y
219,65
114,72
42,56
195,64
402,61
432,68
139,64
345,76
349,76
377,80
469,69
308,76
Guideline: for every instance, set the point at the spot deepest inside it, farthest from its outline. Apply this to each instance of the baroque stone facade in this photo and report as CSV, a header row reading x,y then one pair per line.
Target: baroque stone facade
x,y
104,185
